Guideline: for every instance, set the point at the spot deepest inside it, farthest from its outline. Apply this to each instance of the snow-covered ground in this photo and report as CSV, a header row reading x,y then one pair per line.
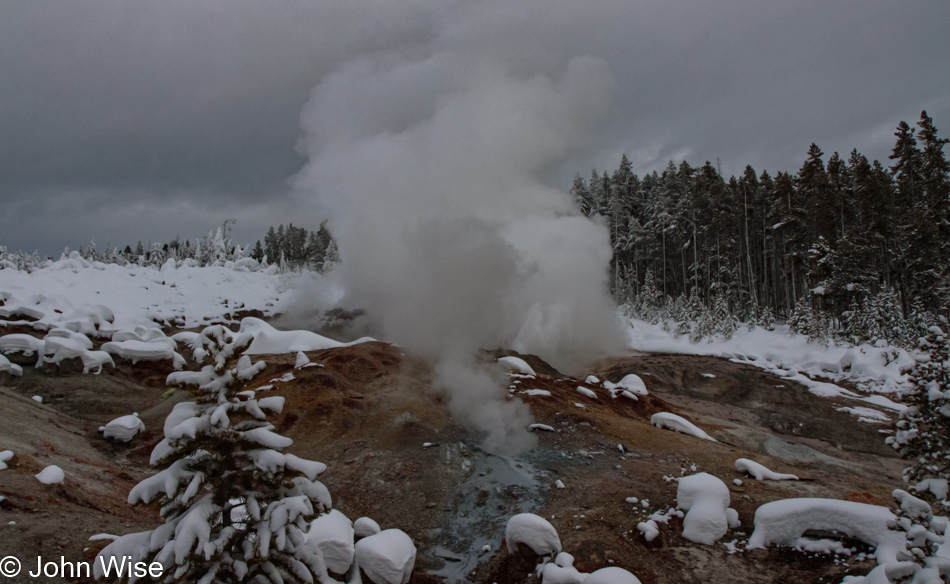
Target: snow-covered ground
x,y
72,298
878,369
140,296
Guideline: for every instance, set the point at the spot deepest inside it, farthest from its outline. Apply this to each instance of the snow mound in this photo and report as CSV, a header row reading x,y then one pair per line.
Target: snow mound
x,y
562,571
57,349
21,343
533,531
678,424
783,522
96,360
11,368
268,340
5,457
586,392
542,392
936,486
611,575
760,472
143,334
51,475
387,557
516,364
124,428
333,534
365,527
630,383
301,360
705,499
159,349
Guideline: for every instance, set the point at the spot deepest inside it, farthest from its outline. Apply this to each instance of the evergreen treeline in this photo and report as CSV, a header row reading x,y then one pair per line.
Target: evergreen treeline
x,y
287,248
844,245
295,247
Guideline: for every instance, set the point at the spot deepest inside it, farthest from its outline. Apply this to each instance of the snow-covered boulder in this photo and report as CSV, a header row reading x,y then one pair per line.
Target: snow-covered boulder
x,y
57,349
517,365
678,424
705,499
562,571
387,557
365,527
586,392
333,534
783,522
139,333
11,368
96,360
21,343
630,383
51,475
760,473
124,428
5,457
534,531
611,575
65,333
159,349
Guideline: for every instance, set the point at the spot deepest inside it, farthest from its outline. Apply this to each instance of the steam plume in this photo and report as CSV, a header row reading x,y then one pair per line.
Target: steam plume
x,y
429,168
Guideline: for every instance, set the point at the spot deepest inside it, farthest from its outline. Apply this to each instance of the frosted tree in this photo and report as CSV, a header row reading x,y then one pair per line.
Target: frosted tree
x,y
923,431
649,301
235,507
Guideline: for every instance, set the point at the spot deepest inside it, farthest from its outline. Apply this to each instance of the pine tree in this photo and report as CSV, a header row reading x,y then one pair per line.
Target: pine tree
x,y
581,195
258,253
235,507
271,245
923,431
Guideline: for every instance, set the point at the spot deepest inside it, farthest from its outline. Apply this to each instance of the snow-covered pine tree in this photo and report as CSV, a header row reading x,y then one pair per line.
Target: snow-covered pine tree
x,y
724,321
767,319
923,430
235,507
805,320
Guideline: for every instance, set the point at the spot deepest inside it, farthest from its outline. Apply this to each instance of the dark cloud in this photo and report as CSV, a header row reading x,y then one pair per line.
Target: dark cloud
x,y
115,114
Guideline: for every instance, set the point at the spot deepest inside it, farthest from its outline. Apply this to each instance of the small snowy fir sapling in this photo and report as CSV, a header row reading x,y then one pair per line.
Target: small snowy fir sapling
x,y
235,507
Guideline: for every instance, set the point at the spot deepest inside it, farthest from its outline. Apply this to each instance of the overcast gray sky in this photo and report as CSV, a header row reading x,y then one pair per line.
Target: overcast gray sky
x,y
125,120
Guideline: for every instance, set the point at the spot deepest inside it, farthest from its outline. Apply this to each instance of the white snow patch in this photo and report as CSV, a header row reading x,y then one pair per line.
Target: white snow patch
x,y
269,340
51,475
542,427
541,392
586,392
759,472
5,457
678,424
